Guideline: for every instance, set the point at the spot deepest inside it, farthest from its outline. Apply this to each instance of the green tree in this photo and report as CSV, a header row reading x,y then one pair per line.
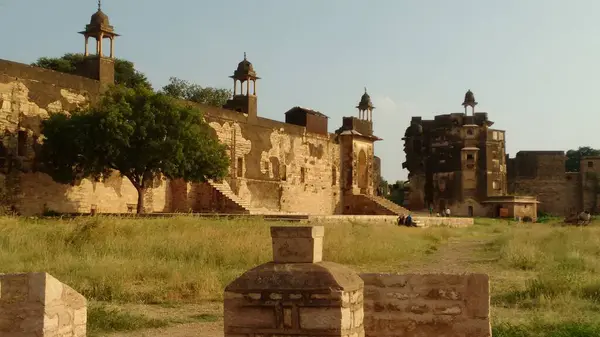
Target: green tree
x,y
137,132
397,192
574,157
182,89
125,72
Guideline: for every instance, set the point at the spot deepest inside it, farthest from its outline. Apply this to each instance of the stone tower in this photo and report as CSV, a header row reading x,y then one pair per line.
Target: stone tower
x,y
244,101
357,150
97,66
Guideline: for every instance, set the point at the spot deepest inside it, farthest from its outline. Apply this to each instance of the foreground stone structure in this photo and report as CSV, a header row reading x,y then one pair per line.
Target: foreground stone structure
x,y
458,161
300,295
38,305
297,293
295,166
427,305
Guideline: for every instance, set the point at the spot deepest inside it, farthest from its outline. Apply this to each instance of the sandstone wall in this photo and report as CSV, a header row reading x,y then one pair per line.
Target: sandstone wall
x,y
29,95
426,305
279,166
557,196
542,174
38,305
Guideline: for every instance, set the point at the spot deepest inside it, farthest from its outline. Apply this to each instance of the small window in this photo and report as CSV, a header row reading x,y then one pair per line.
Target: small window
x,y
496,185
302,174
240,166
470,132
469,156
590,164
266,165
22,144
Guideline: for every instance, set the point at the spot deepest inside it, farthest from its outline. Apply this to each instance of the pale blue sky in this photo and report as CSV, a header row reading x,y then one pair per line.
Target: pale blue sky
x,y
532,64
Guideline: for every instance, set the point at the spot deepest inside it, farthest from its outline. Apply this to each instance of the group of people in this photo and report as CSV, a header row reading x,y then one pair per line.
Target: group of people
x,y
406,221
444,213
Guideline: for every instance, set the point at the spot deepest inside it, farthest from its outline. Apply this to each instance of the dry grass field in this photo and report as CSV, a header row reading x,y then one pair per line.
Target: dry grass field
x,y
156,277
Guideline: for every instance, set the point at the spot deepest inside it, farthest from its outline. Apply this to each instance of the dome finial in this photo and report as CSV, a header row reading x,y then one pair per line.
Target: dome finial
x,y
244,56
99,5
365,90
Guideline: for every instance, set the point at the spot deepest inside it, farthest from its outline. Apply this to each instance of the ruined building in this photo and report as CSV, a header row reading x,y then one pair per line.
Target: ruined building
x,y
295,166
458,161
542,173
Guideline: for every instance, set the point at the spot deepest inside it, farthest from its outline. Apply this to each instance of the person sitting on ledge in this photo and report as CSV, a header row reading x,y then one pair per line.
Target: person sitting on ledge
x,y
401,220
409,222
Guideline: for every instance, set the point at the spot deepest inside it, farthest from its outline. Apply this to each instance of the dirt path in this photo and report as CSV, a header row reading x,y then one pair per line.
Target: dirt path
x,y
455,256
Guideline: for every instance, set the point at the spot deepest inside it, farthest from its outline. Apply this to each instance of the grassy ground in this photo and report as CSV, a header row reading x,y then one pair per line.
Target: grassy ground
x,y
544,277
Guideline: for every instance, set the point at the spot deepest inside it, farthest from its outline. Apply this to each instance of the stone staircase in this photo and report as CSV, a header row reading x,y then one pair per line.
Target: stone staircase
x,y
387,204
224,188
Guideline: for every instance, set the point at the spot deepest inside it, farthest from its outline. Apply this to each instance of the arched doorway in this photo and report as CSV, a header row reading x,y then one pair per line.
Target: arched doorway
x,y
363,177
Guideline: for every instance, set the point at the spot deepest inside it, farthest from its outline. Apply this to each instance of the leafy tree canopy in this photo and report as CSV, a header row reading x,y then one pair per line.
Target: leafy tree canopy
x,y
137,132
574,157
125,73
182,89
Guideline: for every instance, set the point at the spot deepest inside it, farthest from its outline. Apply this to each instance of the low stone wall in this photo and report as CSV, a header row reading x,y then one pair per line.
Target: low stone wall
x,y
38,305
426,305
392,219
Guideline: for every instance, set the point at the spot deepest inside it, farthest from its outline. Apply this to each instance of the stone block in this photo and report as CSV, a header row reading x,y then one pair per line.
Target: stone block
x,y
297,244
325,318
250,317
37,304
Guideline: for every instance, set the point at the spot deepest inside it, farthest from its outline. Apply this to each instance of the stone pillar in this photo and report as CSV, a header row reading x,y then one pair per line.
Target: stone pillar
x,y
297,294
38,305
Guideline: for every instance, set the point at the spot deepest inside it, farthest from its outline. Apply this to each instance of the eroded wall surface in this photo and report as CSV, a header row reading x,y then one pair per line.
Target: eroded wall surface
x,y
28,95
426,305
279,166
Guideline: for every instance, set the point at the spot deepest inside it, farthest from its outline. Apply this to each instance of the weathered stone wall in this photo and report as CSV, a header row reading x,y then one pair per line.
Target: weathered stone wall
x,y
426,305
542,174
393,220
38,305
279,166
29,95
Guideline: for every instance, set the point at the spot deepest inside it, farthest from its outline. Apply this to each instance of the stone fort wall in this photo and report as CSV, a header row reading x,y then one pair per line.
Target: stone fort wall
x,y
27,96
542,173
274,165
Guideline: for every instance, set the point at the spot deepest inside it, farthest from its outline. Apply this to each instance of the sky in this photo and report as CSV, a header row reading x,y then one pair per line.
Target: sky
x,y
532,64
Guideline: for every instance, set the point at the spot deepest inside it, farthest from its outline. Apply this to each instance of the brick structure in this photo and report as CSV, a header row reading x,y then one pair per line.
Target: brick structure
x,y
427,305
295,166
38,305
458,161
297,294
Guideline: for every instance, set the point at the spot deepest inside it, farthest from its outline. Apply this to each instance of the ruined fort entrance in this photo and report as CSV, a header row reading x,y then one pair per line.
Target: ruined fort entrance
x,y
362,171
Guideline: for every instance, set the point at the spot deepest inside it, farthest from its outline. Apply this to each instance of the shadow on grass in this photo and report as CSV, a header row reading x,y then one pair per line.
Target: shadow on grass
x,y
102,320
570,329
